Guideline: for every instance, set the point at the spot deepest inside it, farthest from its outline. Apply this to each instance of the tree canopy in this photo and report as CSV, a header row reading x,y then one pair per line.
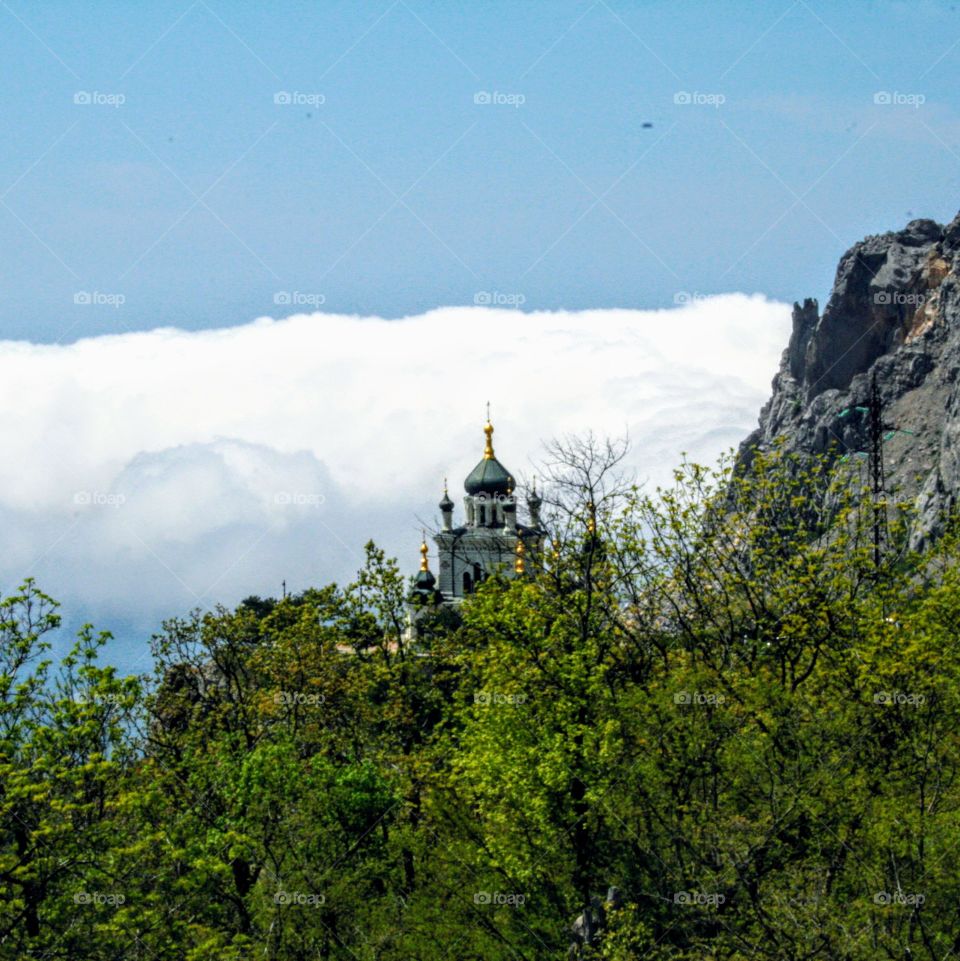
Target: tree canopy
x,y
707,723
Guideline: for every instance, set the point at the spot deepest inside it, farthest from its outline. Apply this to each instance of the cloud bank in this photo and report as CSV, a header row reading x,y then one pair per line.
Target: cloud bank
x,y
147,473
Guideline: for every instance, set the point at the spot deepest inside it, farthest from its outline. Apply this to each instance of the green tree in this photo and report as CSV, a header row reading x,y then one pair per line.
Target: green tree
x,y
64,747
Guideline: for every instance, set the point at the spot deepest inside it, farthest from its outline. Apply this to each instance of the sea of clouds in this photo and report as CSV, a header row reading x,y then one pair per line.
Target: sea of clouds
x,y
144,474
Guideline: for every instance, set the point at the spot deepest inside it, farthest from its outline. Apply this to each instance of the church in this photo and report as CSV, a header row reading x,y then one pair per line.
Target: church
x,y
490,540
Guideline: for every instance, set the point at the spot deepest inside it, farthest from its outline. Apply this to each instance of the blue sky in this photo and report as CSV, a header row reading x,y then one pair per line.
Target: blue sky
x,y
199,201
202,164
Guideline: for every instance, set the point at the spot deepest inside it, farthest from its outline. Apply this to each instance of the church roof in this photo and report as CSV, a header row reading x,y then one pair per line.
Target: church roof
x,y
489,476
424,581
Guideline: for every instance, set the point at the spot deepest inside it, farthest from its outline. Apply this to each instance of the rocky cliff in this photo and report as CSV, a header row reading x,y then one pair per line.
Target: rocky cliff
x,y
893,315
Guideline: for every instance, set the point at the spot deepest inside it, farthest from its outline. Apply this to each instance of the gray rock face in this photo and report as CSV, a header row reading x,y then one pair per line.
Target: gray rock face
x,y
894,311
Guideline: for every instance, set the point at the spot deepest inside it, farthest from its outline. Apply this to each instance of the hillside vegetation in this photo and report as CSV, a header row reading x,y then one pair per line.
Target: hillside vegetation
x,y
710,698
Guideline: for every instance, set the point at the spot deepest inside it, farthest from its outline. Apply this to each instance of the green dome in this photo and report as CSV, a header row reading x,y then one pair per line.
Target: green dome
x,y
488,477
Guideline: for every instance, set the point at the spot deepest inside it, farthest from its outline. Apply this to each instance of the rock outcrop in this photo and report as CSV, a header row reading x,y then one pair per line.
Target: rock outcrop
x,y
893,314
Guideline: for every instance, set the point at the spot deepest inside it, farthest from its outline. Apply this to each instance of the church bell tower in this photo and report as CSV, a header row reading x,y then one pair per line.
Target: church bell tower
x,y
491,539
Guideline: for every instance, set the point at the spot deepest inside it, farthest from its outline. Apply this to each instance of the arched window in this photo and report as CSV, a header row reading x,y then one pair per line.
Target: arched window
x,y
467,583
483,515
477,574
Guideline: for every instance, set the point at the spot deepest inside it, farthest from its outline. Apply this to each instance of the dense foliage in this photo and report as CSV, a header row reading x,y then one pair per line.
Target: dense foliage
x,y
710,698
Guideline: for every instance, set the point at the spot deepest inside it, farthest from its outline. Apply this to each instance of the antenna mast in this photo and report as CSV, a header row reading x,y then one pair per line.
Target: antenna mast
x,y
877,481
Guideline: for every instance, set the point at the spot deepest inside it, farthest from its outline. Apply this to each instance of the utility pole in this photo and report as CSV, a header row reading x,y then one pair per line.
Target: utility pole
x,y
873,412
877,482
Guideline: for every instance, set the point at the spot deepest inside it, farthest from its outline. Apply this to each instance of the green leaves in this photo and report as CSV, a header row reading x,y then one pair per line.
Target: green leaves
x,y
63,750
709,697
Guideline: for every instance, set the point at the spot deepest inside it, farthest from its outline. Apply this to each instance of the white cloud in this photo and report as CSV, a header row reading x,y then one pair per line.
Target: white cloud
x,y
218,463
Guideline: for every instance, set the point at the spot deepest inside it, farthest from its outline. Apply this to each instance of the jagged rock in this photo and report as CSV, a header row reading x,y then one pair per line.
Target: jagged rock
x,y
894,311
